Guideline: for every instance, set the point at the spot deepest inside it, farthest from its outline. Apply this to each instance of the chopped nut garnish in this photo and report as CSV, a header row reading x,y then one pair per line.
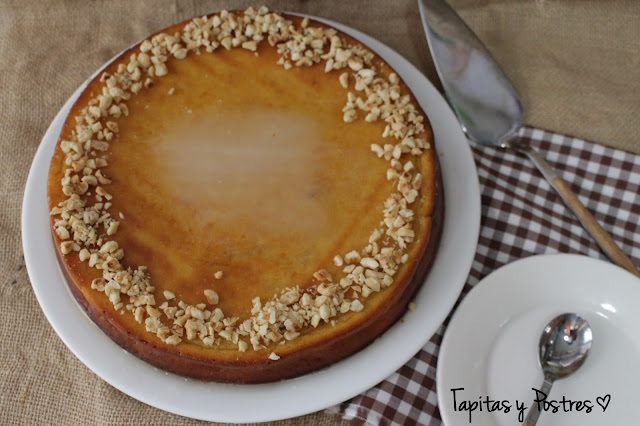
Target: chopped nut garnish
x,y
377,149
412,306
83,223
139,314
273,356
212,296
66,247
161,69
350,115
322,275
84,254
356,306
352,257
372,283
173,340
344,80
113,227
250,45
370,263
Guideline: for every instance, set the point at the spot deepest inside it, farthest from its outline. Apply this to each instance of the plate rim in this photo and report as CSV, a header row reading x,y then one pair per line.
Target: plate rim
x,y
463,247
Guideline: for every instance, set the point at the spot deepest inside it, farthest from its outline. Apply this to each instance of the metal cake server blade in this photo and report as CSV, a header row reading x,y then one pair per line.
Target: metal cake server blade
x,y
489,108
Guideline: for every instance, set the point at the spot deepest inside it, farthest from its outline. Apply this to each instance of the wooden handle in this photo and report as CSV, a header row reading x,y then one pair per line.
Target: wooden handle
x,y
601,236
604,240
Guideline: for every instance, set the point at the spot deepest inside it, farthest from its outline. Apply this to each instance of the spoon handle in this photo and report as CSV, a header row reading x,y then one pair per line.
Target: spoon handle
x,y
534,411
604,240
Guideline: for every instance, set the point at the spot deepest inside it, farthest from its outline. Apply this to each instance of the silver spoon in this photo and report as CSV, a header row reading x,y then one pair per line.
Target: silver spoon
x,y
489,109
564,345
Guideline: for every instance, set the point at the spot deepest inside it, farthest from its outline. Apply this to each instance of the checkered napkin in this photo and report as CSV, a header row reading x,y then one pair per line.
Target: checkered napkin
x,y
521,216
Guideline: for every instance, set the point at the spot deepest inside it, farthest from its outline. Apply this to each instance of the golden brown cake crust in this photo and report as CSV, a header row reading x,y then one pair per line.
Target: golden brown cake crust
x,y
316,347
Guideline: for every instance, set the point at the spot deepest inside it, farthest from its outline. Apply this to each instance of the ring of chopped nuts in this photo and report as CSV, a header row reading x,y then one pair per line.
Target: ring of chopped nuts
x,y
88,228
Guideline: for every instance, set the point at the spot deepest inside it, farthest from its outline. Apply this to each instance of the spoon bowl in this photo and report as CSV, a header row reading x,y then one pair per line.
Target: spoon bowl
x,y
564,345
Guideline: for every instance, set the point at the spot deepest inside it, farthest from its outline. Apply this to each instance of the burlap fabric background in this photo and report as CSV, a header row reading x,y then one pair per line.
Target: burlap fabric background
x,y
576,64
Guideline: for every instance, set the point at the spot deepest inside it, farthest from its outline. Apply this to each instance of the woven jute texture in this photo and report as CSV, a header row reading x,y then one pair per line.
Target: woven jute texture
x,y
576,64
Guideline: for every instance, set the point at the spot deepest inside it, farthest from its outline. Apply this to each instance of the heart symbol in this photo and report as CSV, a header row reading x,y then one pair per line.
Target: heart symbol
x,y
603,401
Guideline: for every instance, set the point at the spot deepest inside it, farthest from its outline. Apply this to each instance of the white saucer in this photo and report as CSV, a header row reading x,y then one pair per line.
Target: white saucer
x,y
490,346
312,392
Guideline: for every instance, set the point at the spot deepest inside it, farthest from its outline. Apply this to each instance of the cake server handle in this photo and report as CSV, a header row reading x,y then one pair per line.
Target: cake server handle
x,y
604,240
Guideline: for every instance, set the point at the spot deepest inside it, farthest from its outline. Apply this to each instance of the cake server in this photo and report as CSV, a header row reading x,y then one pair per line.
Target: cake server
x,y
489,108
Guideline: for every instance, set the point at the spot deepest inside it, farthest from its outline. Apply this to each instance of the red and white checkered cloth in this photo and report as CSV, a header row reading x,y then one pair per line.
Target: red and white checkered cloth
x,y
521,216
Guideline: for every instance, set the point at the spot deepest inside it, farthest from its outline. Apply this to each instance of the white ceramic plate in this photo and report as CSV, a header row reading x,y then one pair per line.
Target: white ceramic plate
x,y
312,392
490,346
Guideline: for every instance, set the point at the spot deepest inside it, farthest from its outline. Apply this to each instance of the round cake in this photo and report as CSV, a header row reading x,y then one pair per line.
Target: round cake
x,y
245,197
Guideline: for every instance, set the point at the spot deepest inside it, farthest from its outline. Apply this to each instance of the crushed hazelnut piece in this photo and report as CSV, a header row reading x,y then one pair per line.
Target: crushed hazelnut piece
x,y
66,247
370,263
173,340
84,254
322,275
356,306
352,257
350,116
344,80
161,69
212,296
377,149
250,45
